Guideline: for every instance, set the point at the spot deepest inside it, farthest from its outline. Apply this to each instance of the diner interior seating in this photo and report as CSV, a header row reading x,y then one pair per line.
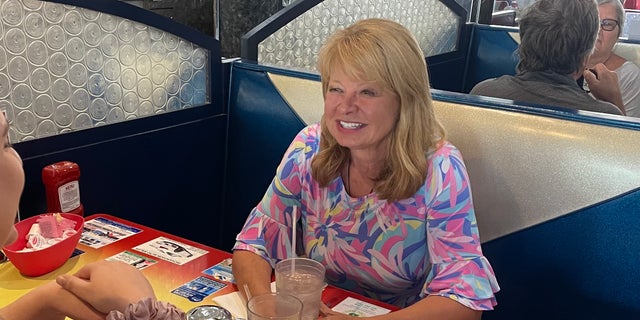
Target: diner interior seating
x,y
556,191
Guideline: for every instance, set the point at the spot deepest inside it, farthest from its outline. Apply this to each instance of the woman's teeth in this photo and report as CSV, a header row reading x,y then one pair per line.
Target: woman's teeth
x,y
350,125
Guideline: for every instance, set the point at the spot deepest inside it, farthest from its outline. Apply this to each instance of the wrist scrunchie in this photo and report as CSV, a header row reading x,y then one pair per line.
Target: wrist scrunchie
x,y
148,309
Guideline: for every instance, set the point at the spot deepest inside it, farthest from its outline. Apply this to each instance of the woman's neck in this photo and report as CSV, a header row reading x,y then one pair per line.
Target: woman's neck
x,y
598,58
361,173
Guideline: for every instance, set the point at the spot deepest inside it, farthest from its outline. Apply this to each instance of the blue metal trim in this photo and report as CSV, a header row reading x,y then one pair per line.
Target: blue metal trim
x,y
496,27
254,66
456,8
249,42
632,41
131,12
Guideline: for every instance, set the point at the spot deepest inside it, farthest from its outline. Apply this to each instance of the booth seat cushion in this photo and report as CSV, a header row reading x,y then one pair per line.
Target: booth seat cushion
x,y
629,51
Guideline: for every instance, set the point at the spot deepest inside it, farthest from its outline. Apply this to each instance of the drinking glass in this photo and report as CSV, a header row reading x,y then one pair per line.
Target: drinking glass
x,y
303,278
274,306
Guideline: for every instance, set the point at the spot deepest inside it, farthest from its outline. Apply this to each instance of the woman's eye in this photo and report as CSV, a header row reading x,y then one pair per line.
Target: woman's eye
x,y
335,90
370,93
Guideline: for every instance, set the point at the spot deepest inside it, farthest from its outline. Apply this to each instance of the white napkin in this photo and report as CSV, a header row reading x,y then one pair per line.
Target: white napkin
x,y
234,303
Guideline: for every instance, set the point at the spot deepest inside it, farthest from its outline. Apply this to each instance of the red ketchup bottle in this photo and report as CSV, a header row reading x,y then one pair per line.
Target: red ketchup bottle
x,y
631,4
63,190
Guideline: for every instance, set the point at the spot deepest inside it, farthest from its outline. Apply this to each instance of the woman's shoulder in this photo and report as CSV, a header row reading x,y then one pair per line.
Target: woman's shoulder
x,y
310,131
307,141
629,76
311,135
444,148
628,67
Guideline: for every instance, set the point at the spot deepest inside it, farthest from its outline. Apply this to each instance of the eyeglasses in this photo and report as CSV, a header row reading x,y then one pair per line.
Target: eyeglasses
x,y
608,24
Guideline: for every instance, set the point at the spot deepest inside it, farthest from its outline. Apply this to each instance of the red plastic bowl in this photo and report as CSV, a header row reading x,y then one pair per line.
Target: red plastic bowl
x,y
37,263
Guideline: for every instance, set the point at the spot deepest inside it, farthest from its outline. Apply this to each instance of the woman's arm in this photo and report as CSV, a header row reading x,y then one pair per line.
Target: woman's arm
x,y
252,271
49,302
108,285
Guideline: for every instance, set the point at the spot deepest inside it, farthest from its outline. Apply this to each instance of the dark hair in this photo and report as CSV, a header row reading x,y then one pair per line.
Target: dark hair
x,y
557,35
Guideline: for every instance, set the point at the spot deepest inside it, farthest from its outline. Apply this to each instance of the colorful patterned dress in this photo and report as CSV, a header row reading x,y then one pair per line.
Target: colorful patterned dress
x,y
397,252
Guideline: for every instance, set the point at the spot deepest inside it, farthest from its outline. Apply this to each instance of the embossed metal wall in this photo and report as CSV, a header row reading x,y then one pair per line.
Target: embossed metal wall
x,y
65,68
297,44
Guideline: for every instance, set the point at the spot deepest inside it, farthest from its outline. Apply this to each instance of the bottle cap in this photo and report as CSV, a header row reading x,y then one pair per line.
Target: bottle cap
x,y
209,312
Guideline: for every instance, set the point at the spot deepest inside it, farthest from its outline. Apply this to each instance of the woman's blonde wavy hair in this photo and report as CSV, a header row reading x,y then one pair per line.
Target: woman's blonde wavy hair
x,y
387,53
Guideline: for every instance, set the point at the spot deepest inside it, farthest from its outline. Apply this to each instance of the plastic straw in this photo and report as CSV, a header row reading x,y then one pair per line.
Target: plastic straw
x,y
293,239
247,292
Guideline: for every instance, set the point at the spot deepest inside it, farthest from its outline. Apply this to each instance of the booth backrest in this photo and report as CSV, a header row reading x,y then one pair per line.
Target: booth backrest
x,y
629,51
557,194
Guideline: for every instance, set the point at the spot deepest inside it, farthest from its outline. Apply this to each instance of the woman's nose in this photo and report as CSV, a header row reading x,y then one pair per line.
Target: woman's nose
x,y
349,102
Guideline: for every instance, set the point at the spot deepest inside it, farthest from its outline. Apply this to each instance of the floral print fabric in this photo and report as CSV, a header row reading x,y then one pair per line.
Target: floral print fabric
x,y
397,252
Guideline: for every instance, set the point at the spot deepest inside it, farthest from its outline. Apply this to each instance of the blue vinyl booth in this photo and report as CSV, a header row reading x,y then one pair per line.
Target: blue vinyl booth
x,y
557,192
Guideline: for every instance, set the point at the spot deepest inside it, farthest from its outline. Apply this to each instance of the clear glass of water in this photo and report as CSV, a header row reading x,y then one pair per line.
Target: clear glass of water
x,y
303,278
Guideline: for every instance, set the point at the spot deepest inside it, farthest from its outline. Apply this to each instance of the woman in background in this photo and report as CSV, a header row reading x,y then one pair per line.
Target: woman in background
x,y
612,17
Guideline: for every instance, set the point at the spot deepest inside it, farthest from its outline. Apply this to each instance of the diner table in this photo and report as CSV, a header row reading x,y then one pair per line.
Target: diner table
x,y
183,272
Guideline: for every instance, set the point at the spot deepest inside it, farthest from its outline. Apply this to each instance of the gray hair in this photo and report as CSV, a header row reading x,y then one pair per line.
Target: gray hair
x,y
557,35
619,12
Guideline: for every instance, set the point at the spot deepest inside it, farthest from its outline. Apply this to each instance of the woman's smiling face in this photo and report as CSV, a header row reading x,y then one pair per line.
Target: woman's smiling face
x,y
359,114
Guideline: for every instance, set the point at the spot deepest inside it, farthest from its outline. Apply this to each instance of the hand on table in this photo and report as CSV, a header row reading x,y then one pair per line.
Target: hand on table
x,y
49,302
108,285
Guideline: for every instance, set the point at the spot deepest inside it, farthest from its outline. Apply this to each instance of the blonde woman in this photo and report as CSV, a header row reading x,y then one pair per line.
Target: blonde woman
x,y
384,199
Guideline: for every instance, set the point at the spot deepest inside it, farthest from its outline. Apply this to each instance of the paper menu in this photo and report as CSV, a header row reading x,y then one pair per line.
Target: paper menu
x,y
359,308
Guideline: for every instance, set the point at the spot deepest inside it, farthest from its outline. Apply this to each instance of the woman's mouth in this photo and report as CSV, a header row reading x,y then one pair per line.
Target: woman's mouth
x,y
351,125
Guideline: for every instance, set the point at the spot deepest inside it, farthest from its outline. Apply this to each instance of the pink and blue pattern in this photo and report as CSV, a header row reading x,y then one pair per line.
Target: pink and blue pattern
x,y
397,252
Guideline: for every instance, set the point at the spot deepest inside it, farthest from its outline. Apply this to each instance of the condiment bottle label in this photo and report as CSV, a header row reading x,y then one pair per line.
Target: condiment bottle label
x,y
69,195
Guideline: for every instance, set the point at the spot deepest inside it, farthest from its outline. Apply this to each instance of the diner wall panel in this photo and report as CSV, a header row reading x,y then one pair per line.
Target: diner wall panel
x,y
152,94
158,171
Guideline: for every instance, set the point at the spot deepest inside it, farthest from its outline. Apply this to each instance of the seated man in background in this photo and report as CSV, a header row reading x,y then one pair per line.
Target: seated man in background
x,y
557,37
611,23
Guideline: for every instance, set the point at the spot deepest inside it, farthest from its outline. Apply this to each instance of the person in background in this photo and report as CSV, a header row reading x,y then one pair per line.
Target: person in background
x,y
111,290
611,23
556,39
382,199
